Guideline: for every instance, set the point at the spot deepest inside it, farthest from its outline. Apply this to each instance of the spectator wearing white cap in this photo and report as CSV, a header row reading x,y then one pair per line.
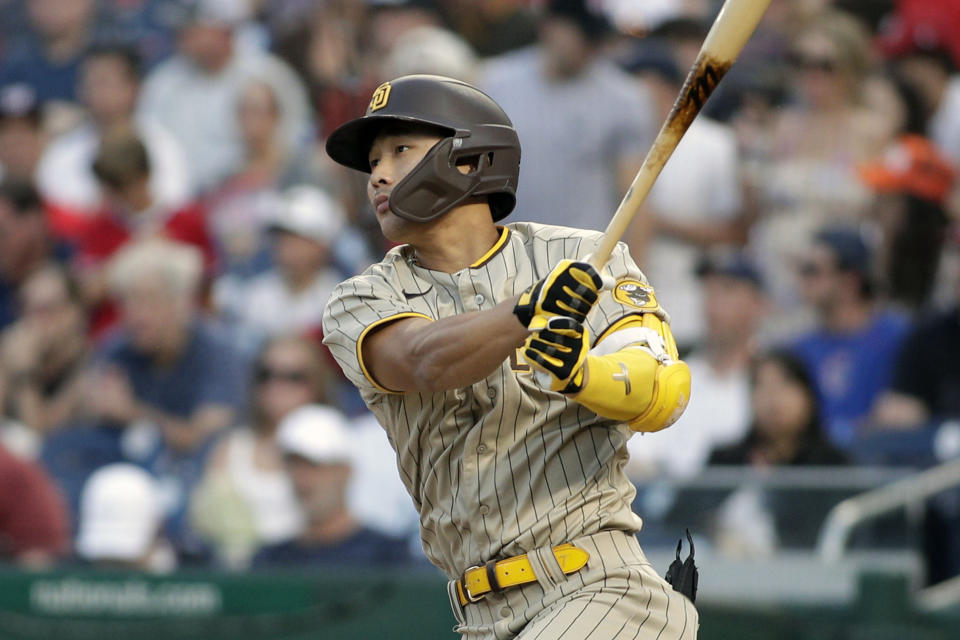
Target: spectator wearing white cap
x,y
316,444
120,521
290,297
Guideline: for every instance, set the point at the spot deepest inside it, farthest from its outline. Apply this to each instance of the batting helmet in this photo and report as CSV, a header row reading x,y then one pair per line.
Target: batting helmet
x,y
477,131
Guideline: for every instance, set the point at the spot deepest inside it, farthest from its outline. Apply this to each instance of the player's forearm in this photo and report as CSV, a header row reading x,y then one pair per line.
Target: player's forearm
x,y
461,350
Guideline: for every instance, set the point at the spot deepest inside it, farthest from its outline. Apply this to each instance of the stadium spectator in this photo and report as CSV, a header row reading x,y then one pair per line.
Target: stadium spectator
x,y
167,381
324,46
696,202
194,93
48,56
719,408
165,367
33,521
123,169
852,349
929,68
807,176
25,243
315,442
246,499
583,123
149,25
493,28
913,180
109,82
921,22
121,521
923,398
785,430
304,227
21,132
239,206
43,353
926,377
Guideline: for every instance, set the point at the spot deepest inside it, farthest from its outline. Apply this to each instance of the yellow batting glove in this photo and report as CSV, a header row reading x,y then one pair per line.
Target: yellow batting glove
x,y
557,353
569,290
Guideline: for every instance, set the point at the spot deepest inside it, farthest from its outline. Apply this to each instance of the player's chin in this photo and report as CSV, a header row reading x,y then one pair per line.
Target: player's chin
x,y
394,228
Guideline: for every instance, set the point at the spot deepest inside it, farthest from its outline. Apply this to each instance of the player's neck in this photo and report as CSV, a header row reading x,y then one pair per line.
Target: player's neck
x,y
457,240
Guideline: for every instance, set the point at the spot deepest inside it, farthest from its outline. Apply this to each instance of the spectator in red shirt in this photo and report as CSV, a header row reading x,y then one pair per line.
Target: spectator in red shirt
x,y
122,167
33,519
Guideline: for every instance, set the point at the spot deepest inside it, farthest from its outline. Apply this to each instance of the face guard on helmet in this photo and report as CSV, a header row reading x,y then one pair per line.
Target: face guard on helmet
x,y
477,132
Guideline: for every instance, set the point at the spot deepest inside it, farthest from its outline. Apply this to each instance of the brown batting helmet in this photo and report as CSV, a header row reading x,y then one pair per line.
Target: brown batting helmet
x,y
477,131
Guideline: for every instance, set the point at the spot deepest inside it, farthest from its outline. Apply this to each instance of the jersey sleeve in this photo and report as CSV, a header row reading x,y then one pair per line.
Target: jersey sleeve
x,y
631,295
356,308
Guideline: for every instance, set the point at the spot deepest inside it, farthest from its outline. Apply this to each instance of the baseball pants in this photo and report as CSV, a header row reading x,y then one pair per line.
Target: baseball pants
x,y
617,595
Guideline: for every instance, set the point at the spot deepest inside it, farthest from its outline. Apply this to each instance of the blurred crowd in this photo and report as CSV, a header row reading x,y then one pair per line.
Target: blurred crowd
x,y
170,229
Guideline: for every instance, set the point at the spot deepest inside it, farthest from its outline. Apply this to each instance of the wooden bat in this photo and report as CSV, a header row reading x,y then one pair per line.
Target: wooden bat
x,y
730,31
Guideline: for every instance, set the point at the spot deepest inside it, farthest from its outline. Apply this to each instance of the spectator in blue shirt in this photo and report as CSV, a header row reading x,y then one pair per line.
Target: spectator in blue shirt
x,y
852,350
315,442
48,55
166,367
168,380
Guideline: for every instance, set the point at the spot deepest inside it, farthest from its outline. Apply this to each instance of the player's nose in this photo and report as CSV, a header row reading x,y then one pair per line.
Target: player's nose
x,y
381,174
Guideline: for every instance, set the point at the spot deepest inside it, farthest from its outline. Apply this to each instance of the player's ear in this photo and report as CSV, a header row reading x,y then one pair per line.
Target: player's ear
x,y
469,164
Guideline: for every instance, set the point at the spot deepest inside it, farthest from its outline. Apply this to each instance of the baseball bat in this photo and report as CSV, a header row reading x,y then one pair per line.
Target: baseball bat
x,y
730,31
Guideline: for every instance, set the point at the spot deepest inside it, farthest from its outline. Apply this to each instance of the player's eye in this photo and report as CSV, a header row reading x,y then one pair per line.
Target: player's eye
x,y
401,148
374,162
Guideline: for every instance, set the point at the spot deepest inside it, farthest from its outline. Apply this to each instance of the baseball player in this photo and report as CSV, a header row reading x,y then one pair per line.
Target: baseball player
x,y
507,376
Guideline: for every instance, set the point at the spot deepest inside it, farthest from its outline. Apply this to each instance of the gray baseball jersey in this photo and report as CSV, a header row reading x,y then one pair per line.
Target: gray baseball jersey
x,y
502,466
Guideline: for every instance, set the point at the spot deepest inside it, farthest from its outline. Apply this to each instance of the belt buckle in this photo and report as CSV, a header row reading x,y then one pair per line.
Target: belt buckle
x,y
471,599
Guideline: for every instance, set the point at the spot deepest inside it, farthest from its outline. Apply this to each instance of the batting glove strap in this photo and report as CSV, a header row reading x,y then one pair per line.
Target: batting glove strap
x,y
557,353
570,290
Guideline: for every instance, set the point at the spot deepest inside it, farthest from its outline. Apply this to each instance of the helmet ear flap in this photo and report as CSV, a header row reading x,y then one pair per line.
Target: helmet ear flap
x,y
434,186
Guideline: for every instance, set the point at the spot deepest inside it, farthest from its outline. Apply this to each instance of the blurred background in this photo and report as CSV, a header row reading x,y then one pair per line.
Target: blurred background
x,y
181,458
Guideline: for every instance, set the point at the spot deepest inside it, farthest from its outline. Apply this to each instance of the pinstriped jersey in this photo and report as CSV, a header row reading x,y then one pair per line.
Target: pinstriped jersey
x,y
502,466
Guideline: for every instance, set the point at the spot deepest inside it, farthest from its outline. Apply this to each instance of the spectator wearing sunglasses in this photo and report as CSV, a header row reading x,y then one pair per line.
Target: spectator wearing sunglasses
x,y
852,349
305,224
246,499
806,176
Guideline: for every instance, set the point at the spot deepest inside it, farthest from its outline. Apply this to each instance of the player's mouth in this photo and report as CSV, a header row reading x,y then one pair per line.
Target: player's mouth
x,y
381,203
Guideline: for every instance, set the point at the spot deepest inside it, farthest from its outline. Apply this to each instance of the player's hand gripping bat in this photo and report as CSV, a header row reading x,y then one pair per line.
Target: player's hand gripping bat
x,y
730,31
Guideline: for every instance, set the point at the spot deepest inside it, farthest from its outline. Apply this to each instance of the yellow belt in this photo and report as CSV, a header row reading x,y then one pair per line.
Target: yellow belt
x,y
497,575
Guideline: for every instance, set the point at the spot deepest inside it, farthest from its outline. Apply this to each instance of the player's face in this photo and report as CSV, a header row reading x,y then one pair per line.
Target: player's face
x,y
392,157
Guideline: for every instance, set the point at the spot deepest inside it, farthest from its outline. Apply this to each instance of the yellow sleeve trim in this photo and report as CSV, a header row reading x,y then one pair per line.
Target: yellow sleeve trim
x,y
378,323
497,246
